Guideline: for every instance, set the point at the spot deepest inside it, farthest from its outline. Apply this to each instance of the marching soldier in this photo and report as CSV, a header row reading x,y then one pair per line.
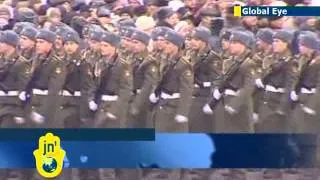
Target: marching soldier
x,y
12,75
92,54
146,76
306,92
207,68
115,85
174,91
48,74
264,49
235,87
277,81
78,83
27,43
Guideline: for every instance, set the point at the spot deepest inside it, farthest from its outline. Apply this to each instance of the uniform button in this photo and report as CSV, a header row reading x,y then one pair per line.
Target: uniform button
x,y
161,107
32,107
265,102
61,107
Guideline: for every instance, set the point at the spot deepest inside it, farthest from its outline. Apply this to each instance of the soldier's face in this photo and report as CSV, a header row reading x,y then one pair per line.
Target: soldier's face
x,y
236,48
261,45
127,43
304,50
138,46
225,44
160,43
107,49
59,42
279,46
170,48
43,46
26,43
70,47
197,44
188,43
94,45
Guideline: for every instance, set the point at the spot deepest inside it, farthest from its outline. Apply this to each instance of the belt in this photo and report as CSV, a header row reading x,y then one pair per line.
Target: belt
x,y
9,93
67,93
40,92
231,92
109,97
168,96
206,84
274,89
308,91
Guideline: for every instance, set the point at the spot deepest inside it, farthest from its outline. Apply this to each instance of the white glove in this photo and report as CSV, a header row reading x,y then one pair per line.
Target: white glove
x,y
229,109
259,83
23,96
196,86
111,116
93,106
181,119
293,96
255,117
309,110
207,110
153,98
37,118
19,120
216,94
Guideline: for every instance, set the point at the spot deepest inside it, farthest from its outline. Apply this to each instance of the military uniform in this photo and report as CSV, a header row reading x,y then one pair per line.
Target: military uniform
x,y
304,115
13,74
207,69
276,105
146,77
175,96
237,95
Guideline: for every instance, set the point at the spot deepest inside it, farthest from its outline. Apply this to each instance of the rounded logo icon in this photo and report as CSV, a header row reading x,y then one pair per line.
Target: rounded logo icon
x,y
49,156
49,164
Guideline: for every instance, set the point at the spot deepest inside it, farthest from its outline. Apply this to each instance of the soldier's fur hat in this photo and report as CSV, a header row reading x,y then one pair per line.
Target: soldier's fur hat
x,y
9,37
46,35
72,36
19,26
95,35
284,35
29,32
242,37
265,35
309,39
111,38
201,33
141,36
174,38
126,31
159,31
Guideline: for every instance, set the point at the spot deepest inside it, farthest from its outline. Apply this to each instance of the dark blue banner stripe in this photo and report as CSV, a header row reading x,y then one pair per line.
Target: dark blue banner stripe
x,y
9,134
177,151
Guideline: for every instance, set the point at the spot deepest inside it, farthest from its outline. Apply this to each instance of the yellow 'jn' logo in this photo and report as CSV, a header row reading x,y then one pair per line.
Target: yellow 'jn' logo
x,y
237,11
49,156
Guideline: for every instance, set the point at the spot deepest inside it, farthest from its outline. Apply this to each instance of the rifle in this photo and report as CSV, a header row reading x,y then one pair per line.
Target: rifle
x,y
103,83
164,77
225,78
266,76
300,80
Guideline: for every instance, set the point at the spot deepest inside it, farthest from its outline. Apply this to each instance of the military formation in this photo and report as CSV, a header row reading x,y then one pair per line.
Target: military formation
x,y
131,79
107,76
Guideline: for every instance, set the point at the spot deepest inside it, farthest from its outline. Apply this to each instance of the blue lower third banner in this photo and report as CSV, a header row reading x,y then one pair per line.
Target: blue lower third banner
x,y
166,151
